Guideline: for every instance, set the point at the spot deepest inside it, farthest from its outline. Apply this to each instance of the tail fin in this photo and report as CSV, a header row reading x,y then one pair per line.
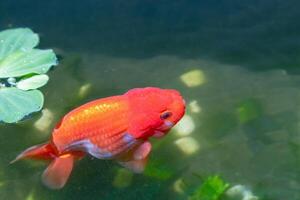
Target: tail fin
x,y
59,170
39,152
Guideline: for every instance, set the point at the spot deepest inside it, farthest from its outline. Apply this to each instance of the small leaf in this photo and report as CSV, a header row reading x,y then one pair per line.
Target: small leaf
x,y
159,170
33,82
15,104
21,63
248,110
19,39
212,189
123,178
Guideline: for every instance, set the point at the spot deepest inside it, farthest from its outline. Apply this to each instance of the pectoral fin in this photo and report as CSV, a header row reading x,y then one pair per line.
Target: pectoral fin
x,y
138,158
142,151
136,166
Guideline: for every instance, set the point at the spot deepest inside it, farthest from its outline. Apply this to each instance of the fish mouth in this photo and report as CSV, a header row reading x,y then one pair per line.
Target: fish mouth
x,y
163,129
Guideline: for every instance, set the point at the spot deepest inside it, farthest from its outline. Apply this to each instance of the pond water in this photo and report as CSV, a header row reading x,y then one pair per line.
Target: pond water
x,y
236,64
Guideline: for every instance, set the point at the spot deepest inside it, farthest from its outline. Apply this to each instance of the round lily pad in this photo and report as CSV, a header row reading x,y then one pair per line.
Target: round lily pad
x,y
15,104
19,39
21,63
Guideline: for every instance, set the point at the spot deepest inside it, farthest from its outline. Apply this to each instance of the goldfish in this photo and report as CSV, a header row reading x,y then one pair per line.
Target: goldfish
x,y
116,128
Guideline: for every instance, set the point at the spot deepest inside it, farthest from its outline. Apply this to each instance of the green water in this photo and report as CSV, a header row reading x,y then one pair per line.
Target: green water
x,y
247,121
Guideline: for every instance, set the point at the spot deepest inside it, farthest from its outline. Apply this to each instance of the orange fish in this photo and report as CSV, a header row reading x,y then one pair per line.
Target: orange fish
x,y
116,127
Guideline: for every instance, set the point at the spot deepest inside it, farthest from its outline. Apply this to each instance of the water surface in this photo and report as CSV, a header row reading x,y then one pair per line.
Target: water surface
x,y
246,128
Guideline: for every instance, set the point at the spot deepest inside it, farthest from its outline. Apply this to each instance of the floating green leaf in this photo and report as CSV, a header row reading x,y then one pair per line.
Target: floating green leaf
x,y
211,189
21,63
33,82
20,39
15,104
18,60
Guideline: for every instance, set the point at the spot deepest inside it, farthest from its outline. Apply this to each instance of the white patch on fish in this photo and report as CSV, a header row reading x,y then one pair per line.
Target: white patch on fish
x,y
90,148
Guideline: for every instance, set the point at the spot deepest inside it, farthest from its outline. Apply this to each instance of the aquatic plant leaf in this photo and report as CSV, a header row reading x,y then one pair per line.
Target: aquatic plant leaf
x,y
248,110
211,189
159,170
123,178
33,82
21,63
15,104
19,39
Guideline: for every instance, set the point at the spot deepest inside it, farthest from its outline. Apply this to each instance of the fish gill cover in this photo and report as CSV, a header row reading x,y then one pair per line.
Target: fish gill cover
x,y
23,69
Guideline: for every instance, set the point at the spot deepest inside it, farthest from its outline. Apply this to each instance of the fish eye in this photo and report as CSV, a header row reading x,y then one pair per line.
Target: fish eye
x,y
165,115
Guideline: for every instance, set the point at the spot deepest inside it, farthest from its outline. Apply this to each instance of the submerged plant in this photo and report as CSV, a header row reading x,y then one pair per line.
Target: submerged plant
x,y
22,71
215,188
211,189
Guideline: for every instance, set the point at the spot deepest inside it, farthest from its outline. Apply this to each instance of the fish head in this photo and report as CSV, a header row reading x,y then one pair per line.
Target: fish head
x,y
154,110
